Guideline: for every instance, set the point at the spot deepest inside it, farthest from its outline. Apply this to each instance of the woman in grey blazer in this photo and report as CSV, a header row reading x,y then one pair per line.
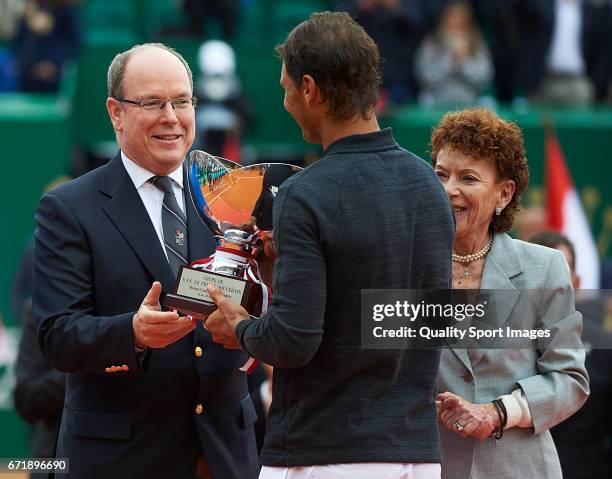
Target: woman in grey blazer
x,y
495,406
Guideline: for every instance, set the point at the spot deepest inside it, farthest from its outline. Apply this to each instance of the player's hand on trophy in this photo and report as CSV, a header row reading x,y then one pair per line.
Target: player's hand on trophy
x,y
155,328
222,322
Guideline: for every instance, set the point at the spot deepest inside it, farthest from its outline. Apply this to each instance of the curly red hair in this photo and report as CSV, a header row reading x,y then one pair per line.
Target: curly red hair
x,y
483,135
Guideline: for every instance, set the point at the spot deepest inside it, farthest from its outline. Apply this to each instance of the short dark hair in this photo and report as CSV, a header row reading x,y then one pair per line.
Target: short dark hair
x,y
554,239
483,135
341,57
116,70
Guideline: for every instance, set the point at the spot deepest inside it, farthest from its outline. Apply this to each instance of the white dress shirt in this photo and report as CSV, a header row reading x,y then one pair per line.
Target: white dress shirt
x,y
152,197
565,54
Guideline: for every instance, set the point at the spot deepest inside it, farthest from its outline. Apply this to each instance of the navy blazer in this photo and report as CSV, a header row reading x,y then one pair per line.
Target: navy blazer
x,y
537,18
96,255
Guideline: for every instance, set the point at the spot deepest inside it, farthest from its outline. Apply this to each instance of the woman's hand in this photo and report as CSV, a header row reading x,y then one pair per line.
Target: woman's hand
x,y
465,418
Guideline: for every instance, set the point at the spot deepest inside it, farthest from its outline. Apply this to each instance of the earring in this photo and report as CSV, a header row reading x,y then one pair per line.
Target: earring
x,y
498,210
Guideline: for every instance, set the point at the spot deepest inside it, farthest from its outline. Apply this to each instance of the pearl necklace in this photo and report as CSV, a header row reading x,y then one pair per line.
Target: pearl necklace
x,y
468,258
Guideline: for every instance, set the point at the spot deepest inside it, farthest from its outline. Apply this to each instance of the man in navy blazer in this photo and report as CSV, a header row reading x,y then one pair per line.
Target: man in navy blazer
x,y
536,30
148,394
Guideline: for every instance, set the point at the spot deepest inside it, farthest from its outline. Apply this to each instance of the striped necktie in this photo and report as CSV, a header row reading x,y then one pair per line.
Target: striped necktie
x,y
174,225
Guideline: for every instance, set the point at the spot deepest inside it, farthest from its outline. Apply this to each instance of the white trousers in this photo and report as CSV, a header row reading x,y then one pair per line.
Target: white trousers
x,y
366,470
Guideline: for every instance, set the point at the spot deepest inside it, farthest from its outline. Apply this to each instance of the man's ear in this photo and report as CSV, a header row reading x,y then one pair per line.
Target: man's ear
x,y
115,112
310,90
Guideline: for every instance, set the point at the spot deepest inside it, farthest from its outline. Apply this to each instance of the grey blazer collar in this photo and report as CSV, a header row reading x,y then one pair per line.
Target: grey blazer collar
x,y
502,264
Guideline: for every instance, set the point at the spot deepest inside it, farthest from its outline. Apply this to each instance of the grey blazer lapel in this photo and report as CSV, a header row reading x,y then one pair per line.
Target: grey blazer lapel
x,y
462,355
503,263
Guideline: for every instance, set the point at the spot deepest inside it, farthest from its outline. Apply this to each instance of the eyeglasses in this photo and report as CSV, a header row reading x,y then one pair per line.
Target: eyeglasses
x,y
152,104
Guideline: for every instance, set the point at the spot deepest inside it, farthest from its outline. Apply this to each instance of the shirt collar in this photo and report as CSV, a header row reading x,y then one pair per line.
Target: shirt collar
x,y
140,175
376,140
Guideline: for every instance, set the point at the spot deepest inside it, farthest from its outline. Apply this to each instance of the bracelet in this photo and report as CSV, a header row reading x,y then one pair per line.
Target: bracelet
x,y
501,404
498,432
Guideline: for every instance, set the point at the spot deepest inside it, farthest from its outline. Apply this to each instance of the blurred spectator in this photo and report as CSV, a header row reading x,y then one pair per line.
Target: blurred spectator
x,y
21,290
39,390
200,12
583,441
48,35
565,51
223,110
8,75
500,24
452,64
610,56
531,221
10,13
397,27
606,274
606,286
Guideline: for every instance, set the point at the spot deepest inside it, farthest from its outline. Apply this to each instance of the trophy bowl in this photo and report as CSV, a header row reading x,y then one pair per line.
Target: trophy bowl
x,y
236,203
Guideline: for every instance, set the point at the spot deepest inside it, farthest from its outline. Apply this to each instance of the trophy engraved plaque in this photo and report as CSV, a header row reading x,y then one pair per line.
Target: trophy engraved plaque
x,y
190,296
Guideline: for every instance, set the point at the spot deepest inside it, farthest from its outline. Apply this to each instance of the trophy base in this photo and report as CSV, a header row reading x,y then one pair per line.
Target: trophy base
x,y
197,308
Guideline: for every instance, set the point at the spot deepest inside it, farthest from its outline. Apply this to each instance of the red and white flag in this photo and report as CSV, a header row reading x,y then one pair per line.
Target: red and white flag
x,y
565,214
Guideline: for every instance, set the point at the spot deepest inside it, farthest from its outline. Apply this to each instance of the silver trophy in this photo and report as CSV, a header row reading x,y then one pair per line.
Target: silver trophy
x,y
236,203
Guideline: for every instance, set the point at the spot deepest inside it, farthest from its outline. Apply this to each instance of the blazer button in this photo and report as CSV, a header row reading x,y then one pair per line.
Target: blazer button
x,y
468,378
199,409
198,352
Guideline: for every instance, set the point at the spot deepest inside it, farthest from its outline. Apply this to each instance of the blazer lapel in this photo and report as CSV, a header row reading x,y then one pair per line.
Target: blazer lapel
x,y
503,263
462,355
128,214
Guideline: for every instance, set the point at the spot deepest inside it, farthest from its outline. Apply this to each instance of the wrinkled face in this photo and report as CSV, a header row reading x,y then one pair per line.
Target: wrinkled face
x,y
473,190
156,140
296,106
